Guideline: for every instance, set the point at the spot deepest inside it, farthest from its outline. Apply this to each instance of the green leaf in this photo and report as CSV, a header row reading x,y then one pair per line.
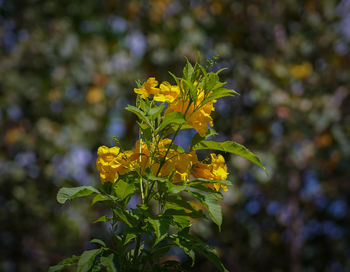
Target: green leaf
x,y
178,201
140,114
211,80
206,181
171,118
222,69
146,132
212,204
103,219
188,70
230,147
65,193
219,93
175,147
87,259
129,237
122,216
181,243
161,228
199,246
124,189
64,264
213,258
98,241
192,88
197,138
155,111
206,189
174,188
99,198
182,221
108,262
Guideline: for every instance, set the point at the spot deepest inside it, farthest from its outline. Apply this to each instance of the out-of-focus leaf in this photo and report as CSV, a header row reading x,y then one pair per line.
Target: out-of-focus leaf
x,y
66,193
87,260
108,262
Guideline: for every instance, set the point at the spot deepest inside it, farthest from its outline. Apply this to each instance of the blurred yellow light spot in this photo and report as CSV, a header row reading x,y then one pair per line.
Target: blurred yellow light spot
x,y
13,135
95,95
54,95
301,71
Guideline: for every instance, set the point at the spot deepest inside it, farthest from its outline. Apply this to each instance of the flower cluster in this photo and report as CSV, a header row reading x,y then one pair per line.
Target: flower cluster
x,y
181,167
157,157
196,114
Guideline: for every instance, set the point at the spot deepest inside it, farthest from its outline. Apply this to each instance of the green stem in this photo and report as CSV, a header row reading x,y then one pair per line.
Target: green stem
x,y
137,247
166,153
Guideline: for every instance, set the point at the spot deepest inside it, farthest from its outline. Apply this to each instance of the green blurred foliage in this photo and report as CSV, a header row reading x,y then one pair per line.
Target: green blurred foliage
x,y
67,70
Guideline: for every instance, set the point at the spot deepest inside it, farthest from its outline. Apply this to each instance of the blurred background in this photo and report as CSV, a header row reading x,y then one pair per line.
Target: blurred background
x,y
68,69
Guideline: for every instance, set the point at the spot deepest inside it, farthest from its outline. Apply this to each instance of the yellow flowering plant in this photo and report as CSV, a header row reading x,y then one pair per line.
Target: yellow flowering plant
x,y
169,180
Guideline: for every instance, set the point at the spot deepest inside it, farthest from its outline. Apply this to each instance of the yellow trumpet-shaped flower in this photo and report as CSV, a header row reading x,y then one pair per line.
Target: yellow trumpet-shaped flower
x,y
217,170
167,92
107,163
149,87
197,117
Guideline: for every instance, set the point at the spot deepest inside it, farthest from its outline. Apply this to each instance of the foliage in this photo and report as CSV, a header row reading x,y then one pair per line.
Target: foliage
x,y
66,74
164,175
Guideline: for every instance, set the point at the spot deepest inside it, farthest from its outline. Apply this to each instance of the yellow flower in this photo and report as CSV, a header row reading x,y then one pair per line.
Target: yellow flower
x,y
147,88
217,170
301,71
198,118
167,93
107,163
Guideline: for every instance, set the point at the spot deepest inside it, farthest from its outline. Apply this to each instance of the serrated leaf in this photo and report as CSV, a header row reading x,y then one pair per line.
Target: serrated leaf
x,y
108,262
213,206
186,248
230,147
140,114
161,228
188,71
122,216
155,111
197,138
128,238
123,189
66,193
87,260
182,221
171,118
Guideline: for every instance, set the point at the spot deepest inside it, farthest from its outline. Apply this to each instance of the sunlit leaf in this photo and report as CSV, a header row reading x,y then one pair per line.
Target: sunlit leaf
x,y
230,147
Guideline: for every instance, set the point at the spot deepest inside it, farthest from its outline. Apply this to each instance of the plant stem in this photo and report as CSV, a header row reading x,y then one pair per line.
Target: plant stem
x,y
137,247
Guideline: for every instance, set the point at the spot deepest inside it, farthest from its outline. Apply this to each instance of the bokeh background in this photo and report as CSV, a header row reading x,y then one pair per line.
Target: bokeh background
x,y
67,70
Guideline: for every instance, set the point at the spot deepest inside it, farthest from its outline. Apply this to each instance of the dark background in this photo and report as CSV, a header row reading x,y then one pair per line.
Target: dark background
x,y
67,70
